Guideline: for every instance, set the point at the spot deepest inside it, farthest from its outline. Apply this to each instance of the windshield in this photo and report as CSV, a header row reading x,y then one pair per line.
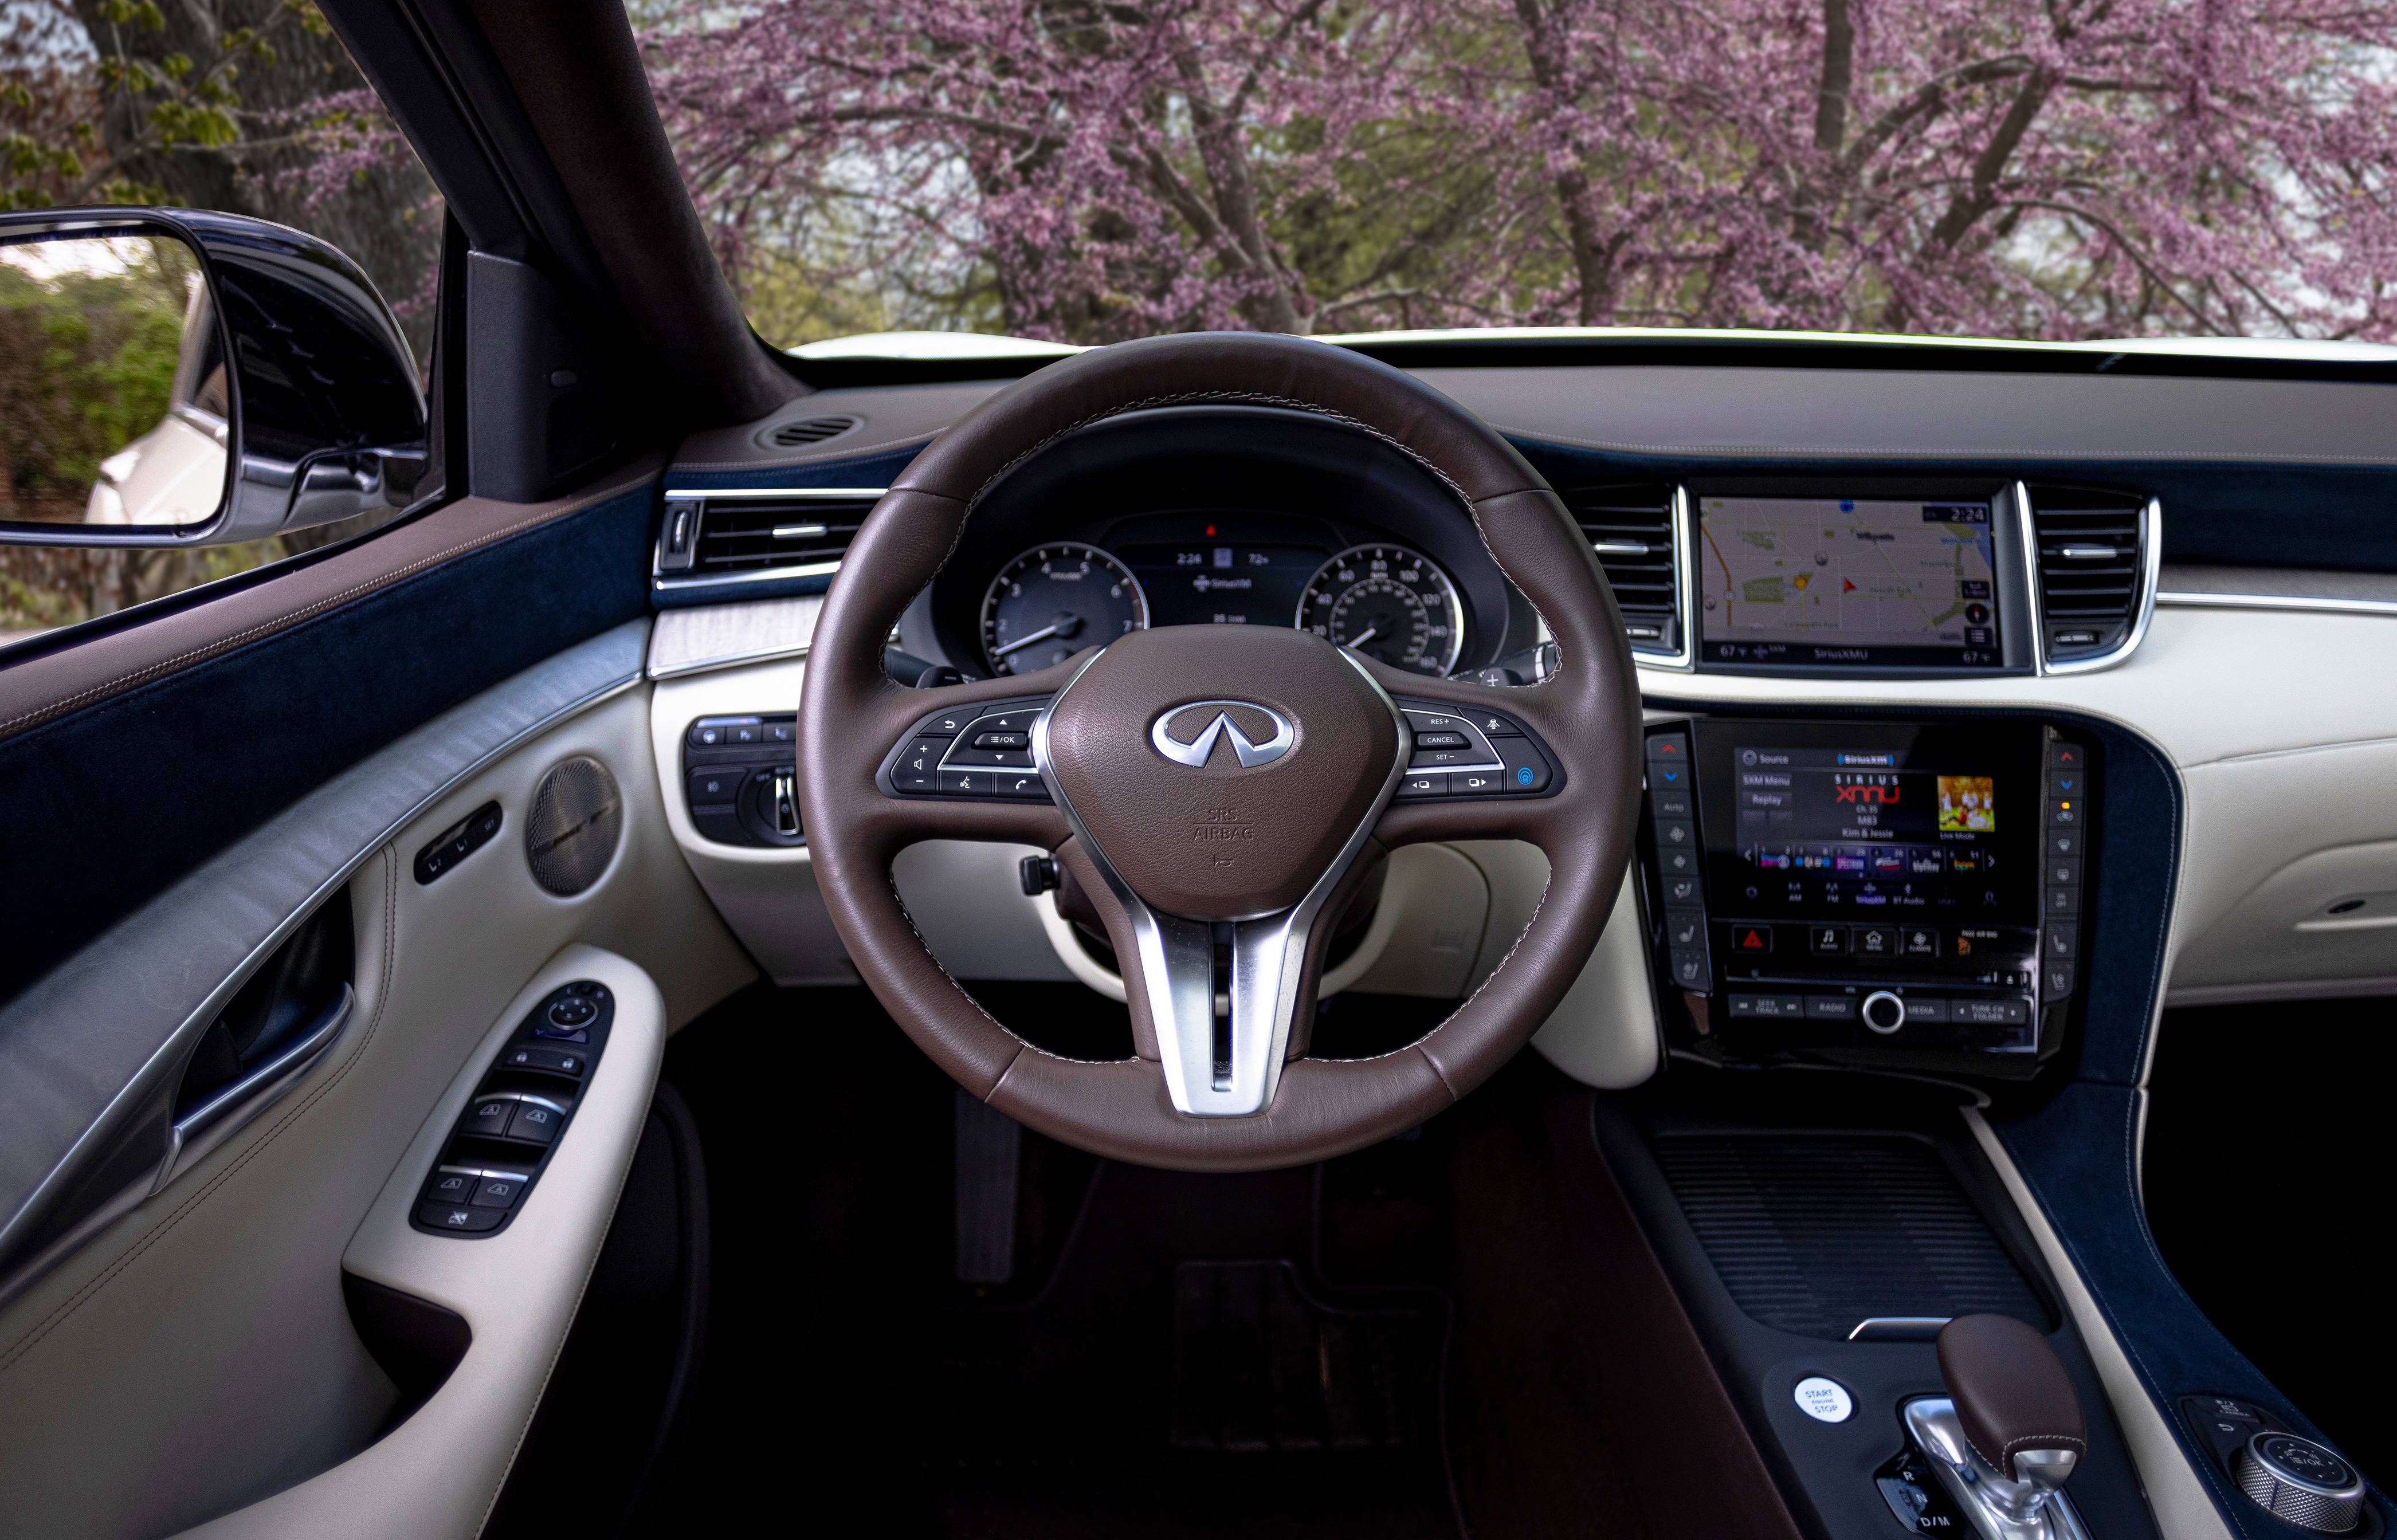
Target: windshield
x,y
1082,172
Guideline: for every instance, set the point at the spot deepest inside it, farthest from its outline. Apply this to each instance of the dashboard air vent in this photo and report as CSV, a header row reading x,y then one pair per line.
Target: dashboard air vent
x,y
721,536
1631,528
2093,569
802,431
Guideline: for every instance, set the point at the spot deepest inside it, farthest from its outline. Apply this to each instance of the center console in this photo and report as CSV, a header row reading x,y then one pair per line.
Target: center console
x,y
1907,893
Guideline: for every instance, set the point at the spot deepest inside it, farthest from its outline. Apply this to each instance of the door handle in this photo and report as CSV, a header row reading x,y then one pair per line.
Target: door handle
x,y
230,1108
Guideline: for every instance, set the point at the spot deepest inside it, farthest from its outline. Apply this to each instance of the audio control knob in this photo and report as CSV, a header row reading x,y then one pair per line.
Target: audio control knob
x,y
1884,1011
2299,1481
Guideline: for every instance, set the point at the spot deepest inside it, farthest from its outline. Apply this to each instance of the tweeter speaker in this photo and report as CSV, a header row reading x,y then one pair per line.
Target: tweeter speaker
x,y
577,816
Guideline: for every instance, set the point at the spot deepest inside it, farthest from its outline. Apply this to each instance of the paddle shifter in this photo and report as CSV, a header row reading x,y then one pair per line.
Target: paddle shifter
x,y
2004,1438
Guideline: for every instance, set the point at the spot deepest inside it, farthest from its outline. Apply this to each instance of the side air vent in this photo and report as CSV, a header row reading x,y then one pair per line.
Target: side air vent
x,y
725,535
803,432
2095,558
1632,528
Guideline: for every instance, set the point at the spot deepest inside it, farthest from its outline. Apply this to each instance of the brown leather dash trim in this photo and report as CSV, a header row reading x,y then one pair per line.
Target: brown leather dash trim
x,y
49,685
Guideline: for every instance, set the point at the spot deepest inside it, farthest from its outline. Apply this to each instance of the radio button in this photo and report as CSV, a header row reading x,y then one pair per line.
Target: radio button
x,y
1830,1008
1827,940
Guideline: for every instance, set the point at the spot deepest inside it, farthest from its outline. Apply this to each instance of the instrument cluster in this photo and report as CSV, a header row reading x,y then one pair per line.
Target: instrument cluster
x,y
1384,598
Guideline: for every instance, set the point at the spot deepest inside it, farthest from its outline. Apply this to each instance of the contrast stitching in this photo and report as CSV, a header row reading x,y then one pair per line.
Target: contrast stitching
x,y
90,1291
40,715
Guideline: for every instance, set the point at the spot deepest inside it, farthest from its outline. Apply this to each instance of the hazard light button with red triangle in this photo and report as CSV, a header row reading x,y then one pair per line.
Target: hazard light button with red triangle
x,y
1751,938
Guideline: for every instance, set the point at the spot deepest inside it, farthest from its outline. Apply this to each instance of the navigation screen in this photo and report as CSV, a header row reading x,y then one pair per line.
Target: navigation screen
x,y
1847,581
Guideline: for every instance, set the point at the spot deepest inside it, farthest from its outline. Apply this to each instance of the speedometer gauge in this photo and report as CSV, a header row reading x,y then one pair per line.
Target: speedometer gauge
x,y
1389,602
1054,601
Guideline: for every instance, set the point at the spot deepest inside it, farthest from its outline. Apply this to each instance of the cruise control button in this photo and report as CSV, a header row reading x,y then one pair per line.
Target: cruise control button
x,y
1442,741
462,1218
534,1123
1527,768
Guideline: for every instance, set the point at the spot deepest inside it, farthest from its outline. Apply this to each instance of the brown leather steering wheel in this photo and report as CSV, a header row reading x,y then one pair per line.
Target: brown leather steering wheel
x,y
1219,790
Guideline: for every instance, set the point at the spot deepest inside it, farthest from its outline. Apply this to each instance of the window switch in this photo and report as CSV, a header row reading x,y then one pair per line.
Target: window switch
x,y
462,1218
496,1190
488,1118
452,1187
534,1123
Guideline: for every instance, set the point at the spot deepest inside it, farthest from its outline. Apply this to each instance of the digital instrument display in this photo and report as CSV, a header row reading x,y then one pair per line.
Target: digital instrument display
x,y
1847,581
1231,583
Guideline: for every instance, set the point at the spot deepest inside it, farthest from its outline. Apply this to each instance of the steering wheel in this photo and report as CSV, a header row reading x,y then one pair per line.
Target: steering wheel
x,y
1218,792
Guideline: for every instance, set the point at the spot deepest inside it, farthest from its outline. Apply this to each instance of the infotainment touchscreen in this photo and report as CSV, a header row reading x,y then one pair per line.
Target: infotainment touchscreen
x,y
1847,581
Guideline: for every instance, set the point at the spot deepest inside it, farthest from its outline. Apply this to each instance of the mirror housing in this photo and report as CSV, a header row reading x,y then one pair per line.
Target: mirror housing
x,y
318,408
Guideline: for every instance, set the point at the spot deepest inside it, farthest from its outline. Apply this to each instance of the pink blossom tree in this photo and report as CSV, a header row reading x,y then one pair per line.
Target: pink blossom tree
x,y
1096,168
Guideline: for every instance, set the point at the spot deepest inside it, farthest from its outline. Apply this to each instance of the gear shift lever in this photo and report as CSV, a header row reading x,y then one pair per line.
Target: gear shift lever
x,y
2005,1438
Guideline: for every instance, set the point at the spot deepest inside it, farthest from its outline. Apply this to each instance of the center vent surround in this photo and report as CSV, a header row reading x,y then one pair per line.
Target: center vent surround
x,y
1635,527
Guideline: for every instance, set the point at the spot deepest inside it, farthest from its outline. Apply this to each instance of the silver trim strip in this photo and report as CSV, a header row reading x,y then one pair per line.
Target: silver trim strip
x,y
684,494
232,1108
1898,1327
2151,568
728,659
755,574
1177,956
2194,600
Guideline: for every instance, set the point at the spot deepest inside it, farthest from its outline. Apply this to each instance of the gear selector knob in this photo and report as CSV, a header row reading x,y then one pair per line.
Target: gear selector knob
x,y
2013,1398
2005,1438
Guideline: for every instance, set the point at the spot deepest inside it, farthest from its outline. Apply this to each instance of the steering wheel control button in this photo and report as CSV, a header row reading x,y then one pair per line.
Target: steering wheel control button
x,y
1883,1012
1424,785
2300,1481
1527,768
1825,1400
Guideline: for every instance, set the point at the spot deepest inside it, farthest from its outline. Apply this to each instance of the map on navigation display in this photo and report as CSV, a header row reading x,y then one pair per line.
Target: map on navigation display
x,y
1846,578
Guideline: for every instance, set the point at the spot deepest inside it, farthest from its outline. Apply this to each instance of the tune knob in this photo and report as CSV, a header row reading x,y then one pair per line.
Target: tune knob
x,y
2299,1481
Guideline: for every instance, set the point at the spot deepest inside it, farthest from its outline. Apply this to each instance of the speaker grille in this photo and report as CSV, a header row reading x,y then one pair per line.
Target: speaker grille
x,y
1813,1232
577,817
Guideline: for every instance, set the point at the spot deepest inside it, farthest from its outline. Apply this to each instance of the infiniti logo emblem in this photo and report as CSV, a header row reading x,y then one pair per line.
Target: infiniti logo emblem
x,y
1251,754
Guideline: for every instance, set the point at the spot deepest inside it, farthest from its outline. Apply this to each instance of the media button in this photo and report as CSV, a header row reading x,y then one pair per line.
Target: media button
x,y
1919,940
1876,941
1830,1008
1926,1008
1827,940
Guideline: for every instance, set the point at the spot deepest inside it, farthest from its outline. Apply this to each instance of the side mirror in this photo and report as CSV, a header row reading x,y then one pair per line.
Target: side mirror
x,y
176,377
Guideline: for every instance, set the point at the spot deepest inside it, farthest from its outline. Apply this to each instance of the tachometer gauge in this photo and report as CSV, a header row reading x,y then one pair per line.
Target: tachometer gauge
x,y
1054,601
1389,602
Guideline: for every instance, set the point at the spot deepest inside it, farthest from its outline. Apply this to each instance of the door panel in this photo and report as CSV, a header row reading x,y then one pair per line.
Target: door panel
x,y
197,1355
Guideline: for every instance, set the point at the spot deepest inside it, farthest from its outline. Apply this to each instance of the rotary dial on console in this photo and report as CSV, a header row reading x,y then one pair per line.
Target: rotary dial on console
x,y
1388,602
1054,601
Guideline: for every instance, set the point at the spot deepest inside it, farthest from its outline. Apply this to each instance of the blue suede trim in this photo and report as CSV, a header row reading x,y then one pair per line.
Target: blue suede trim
x,y
874,470
110,806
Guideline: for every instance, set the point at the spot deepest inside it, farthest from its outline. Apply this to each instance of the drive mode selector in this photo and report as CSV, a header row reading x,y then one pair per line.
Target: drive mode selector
x,y
2301,1481
1884,1011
